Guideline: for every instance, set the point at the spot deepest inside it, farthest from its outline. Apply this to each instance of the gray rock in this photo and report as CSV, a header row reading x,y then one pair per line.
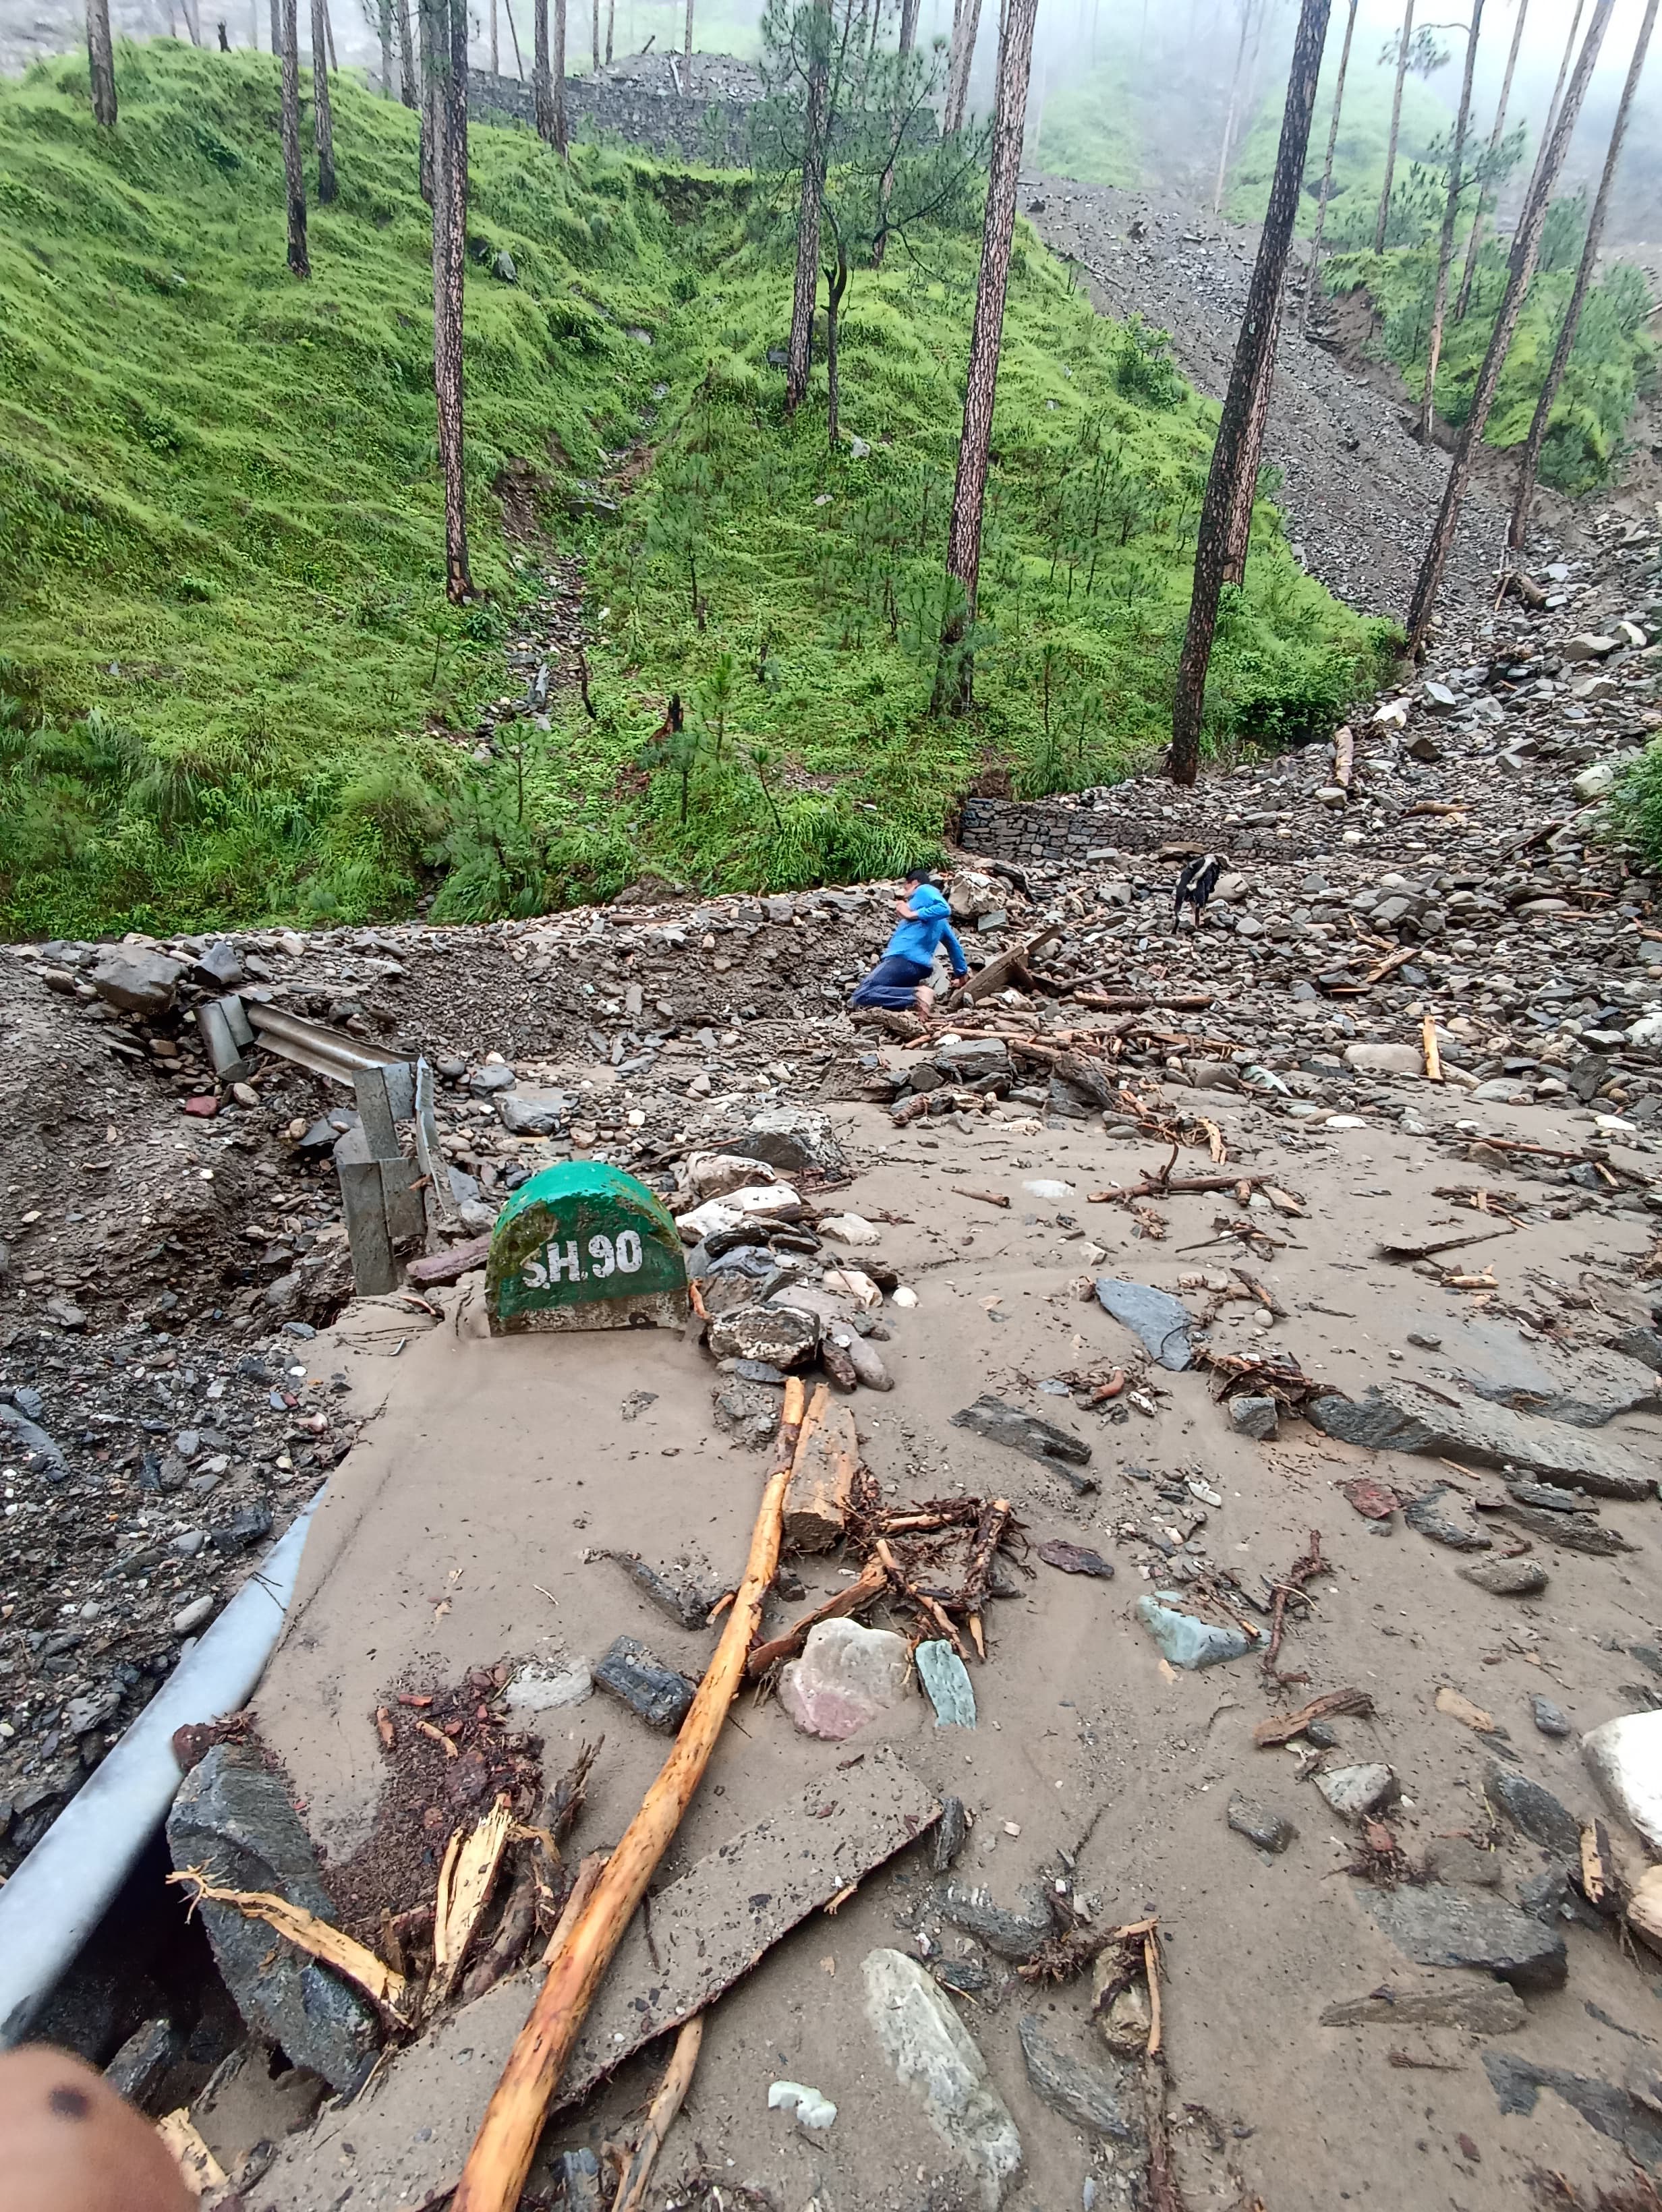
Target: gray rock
x,y
792,1139
27,1436
1426,1514
91,1710
653,1691
1438,1926
136,981
1162,1321
784,1336
532,1112
1548,1717
195,1615
251,1526
1405,1418
1628,2119
1084,2094
748,1411
934,2057
973,1061
219,966
1005,1934
951,1832
1455,1859
1270,1831
1468,2001
1384,1059
1186,1640
1026,1432
232,1820
1571,1532
1258,1418
1507,1577
138,2068
66,1314
1353,1791
579,2172
1535,1812
486,1082
1644,1344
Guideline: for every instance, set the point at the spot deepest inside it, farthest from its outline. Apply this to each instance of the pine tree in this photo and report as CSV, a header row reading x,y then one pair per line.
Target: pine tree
x,y
323,120
407,92
1233,473
1463,297
1557,95
294,176
384,40
1451,215
550,112
101,61
815,157
1313,277
966,21
1530,459
445,56
1403,50
1525,252
954,678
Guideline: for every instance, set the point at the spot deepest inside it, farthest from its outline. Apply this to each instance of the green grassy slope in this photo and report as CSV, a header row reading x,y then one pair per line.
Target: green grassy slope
x,y
1358,156
228,666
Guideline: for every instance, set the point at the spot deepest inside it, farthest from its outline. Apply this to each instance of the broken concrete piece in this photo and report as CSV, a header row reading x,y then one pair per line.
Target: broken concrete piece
x,y
137,982
549,1685
1162,1321
822,1478
846,1676
1437,1925
714,1175
687,1603
809,2108
1025,1433
1384,1059
1625,1758
1270,1831
655,1692
1507,1577
1355,1791
1184,1640
1407,1418
783,1336
1468,2000
1533,1811
951,1834
232,1820
932,2052
1081,2093
706,1929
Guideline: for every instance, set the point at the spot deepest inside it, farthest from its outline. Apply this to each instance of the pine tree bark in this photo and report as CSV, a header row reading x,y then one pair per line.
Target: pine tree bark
x,y
548,109
1236,74
611,25
323,118
293,175
1238,537
1396,125
1234,458
687,42
595,36
1462,297
1530,461
447,67
1313,277
556,87
837,283
513,41
799,356
966,22
954,675
1446,240
426,176
909,13
101,62
276,27
1525,252
384,40
407,92
1557,95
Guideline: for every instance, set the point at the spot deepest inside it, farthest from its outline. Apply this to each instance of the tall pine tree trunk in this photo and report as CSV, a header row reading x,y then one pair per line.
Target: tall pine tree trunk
x,y
966,22
407,78
495,53
513,41
1525,250
557,86
611,25
1557,94
837,283
446,63
806,284
1230,111
954,675
384,39
1446,241
427,176
323,118
908,15
1233,472
1237,537
1313,276
1530,461
686,43
293,175
1396,125
548,109
276,27
595,36
101,61
1462,296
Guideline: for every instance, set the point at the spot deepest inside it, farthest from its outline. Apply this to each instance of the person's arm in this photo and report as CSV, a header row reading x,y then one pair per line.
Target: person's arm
x,y
955,951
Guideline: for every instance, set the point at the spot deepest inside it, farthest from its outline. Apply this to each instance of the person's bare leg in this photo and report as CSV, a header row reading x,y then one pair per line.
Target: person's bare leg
x,y
923,999
68,2143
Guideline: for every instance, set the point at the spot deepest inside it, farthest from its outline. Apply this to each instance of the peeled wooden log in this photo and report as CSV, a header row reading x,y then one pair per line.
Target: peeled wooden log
x,y
501,2157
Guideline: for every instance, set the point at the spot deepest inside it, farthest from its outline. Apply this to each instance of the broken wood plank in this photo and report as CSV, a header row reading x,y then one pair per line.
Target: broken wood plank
x,y
1434,1059
1282,1728
709,1928
822,1474
1009,967
871,1584
1344,756
441,1267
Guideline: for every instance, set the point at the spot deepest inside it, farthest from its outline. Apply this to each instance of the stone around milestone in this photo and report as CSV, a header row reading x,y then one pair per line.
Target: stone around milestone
x,y
937,2061
1507,1577
136,981
232,1820
1257,1418
793,1140
1081,2093
1535,1812
1436,1925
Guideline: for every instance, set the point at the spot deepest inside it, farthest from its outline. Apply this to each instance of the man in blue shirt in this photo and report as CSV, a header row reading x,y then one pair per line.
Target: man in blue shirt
x,y
900,980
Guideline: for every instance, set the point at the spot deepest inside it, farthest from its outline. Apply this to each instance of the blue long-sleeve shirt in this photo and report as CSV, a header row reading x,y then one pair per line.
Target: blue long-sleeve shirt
x,y
929,924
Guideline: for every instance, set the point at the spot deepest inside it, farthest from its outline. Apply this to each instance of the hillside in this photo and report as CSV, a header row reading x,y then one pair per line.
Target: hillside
x,y
231,688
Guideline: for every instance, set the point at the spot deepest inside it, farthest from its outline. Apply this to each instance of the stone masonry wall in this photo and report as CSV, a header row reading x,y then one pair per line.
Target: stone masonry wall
x,y
641,101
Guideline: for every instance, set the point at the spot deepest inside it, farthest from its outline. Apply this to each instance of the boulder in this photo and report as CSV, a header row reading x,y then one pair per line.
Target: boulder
x,y
1533,1811
783,1336
137,982
232,1820
1405,1418
1438,1926
1507,1577
793,1140
1355,1792
1162,1321
937,2061
532,1112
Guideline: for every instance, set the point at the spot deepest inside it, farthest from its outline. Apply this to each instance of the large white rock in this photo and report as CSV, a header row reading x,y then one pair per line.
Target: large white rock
x,y
937,2060
1625,1755
768,1202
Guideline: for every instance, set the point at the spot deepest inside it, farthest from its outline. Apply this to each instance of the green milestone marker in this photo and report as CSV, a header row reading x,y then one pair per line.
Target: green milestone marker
x,y
584,1245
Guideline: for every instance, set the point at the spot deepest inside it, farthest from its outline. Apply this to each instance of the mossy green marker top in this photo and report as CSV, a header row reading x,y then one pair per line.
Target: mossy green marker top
x,y
584,1245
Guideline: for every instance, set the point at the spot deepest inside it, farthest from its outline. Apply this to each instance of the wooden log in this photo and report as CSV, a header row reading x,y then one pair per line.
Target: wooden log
x,y
871,1584
1344,756
501,2157
822,1475
449,1267
1434,1059
998,975
677,2078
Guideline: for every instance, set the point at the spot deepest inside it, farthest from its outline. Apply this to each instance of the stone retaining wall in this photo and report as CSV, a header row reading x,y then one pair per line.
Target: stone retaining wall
x,y
691,126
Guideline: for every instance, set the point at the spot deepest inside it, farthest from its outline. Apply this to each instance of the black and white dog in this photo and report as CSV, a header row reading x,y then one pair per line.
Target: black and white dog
x,y
1197,881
